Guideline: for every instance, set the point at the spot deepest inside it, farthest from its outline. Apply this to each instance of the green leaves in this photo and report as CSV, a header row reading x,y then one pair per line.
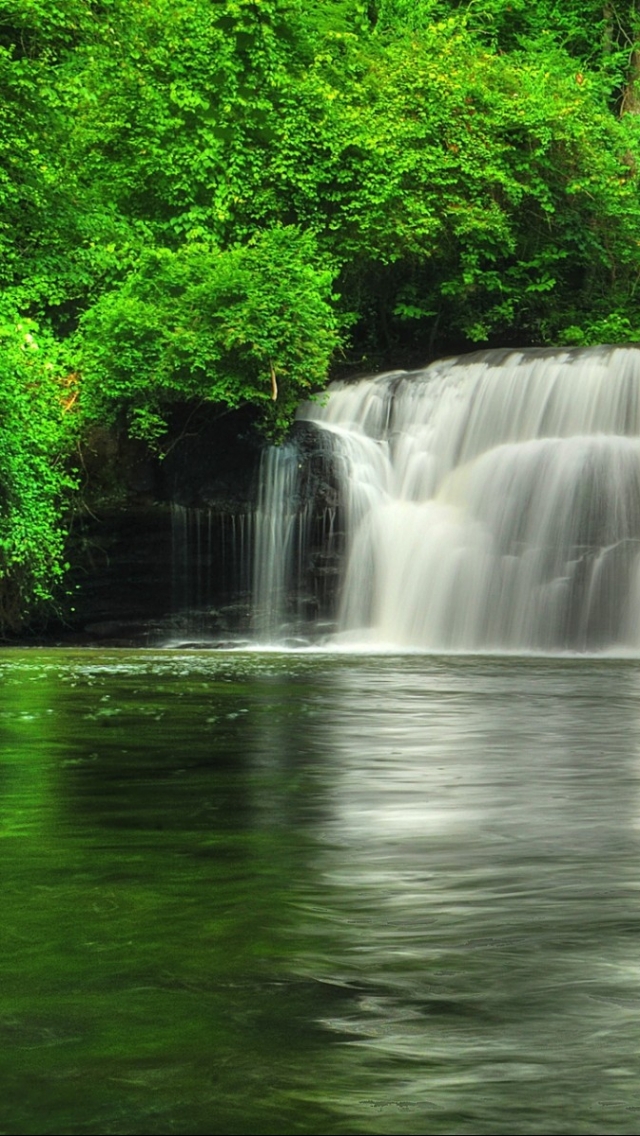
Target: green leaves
x,y
36,433
200,323
436,151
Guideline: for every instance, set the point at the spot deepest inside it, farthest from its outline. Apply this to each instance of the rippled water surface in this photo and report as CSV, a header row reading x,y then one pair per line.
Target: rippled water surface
x,y
313,894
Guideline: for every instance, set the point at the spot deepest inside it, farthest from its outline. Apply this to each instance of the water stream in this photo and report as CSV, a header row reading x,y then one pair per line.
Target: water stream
x,y
489,502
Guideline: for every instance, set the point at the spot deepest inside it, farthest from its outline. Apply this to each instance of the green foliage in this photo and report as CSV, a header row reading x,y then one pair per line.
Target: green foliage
x,y
42,27
55,236
35,436
487,190
585,28
612,328
457,160
200,323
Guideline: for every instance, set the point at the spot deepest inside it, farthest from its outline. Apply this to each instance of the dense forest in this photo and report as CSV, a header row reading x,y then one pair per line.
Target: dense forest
x,y
228,200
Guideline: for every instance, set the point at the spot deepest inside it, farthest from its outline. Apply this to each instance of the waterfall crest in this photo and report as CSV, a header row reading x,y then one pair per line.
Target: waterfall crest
x,y
488,502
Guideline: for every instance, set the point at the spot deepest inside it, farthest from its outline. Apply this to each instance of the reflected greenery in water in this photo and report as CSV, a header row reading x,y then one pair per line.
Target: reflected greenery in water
x,y
304,893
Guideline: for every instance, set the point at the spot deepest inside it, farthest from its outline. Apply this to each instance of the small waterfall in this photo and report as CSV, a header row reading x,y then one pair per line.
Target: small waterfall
x,y
488,502
211,572
276,522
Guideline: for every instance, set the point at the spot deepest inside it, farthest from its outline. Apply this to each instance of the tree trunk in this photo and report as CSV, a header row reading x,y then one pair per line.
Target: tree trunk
x,y
631,92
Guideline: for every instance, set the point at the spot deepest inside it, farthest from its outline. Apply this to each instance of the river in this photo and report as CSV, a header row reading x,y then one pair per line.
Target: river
x,y
319,893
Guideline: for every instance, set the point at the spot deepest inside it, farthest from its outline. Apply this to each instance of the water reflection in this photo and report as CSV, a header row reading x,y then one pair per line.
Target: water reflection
x,y
312,894
478,885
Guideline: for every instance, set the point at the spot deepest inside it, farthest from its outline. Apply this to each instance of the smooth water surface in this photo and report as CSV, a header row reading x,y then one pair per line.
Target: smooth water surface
x,y
311,893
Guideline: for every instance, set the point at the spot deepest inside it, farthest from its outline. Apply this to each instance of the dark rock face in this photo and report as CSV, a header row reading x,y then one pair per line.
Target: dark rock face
x,y
161,553
127,585
319,484
212,460
121,580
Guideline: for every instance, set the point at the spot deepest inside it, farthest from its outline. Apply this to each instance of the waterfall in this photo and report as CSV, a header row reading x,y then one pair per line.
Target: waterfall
x,y
210,573
275,523
487,502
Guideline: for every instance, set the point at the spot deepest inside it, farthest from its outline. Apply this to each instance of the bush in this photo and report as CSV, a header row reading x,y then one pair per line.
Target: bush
x,y
36,431
253,324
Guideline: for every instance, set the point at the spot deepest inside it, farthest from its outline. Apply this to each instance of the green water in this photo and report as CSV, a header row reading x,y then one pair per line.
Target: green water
x,y
307,894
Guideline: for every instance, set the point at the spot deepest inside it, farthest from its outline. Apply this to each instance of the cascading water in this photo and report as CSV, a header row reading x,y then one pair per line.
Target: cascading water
x,y
210,572
489,502
294,543
277,521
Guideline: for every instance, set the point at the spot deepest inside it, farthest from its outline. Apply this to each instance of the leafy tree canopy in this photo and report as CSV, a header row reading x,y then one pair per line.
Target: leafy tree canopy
x,y
253,323
36,399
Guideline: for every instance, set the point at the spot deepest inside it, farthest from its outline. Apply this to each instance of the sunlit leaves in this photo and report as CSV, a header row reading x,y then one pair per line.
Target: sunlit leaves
x,y
36,431
201,323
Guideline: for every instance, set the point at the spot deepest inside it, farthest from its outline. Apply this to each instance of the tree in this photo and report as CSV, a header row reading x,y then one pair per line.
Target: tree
x,y
253,323
36,434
